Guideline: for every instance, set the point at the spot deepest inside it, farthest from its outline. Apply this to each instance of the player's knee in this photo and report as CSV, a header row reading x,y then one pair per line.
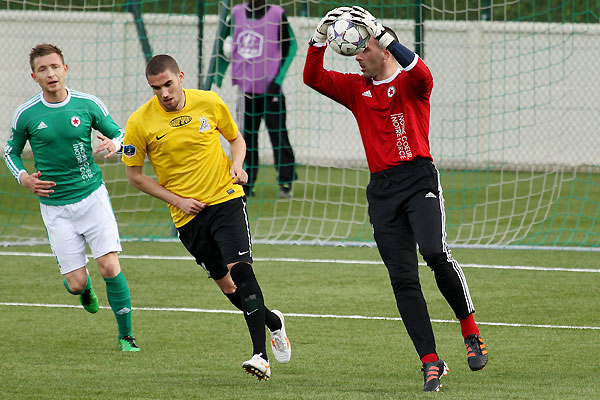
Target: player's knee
x,y
433,256
241,272
226,285
251,295
109,265
75,288
402,285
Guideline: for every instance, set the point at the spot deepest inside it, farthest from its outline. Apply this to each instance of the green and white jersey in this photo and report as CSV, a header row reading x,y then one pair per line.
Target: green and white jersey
x,y
60,138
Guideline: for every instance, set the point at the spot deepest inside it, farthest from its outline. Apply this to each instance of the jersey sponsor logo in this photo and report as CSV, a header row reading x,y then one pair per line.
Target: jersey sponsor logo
x,y
129,150
241,253
75,121
430,195
391,91
160,137
367,93
180,121
404,150
42,125
82,160
204,124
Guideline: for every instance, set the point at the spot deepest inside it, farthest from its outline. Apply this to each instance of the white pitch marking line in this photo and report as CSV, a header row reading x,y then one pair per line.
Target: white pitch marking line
x,y
332,316
323,261
518,267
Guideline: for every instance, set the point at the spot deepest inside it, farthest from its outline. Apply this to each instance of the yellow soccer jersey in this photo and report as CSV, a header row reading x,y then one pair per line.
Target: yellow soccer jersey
x,y
184,148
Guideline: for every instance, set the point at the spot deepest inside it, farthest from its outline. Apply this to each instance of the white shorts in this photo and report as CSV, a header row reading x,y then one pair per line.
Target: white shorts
x,y
71,226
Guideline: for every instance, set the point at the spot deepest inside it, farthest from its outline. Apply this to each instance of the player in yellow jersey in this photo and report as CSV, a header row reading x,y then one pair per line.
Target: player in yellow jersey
x,y
179,130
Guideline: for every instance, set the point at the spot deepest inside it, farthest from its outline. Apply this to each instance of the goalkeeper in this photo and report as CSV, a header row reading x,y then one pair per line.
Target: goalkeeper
x,y
73,199
406,207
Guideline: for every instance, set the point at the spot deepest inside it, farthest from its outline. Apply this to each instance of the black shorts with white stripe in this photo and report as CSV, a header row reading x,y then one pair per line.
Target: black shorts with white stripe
x,y
219,235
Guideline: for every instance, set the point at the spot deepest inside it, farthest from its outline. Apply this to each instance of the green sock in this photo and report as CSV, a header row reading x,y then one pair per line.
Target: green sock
x,y
87,286
117,293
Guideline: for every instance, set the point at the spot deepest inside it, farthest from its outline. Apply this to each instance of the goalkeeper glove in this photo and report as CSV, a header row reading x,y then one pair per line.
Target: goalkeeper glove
x,y
320,35
362,17
273,88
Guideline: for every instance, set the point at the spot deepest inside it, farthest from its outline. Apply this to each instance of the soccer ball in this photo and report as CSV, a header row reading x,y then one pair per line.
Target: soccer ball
x,y
346,38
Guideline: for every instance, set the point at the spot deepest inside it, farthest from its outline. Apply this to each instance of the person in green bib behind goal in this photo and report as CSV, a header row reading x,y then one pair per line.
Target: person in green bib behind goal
x,y
74,201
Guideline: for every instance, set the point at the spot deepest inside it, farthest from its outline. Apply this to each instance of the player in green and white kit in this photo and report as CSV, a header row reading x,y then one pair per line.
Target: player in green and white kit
x,y
73,199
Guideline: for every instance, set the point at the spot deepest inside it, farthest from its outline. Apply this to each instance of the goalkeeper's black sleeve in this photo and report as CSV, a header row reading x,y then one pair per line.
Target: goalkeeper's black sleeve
x,y
402,54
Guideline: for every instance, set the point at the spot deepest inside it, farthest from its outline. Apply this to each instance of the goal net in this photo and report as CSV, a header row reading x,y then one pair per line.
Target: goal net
x,y
513,114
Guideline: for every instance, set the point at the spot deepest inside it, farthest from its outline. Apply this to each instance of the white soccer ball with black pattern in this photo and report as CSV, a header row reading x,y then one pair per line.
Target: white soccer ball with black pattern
x,y
346,38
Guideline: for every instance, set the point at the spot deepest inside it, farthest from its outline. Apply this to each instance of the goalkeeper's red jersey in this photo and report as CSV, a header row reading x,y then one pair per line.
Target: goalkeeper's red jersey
x,y
392,115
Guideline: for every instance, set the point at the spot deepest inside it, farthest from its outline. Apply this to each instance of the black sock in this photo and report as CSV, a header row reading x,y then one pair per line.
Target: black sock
x,y
252,305
272,321
235,299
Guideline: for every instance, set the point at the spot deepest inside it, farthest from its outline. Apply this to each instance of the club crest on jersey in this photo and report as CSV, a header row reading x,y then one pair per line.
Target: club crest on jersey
x,y
250,44
180,121
204,124
129,150
391,91
75,121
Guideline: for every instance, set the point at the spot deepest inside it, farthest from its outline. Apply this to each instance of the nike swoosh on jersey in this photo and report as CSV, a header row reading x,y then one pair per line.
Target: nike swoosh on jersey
x,y
241,253
160,137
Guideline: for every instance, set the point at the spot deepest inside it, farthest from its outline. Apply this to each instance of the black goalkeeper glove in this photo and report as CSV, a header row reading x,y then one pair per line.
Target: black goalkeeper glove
x,y
274,88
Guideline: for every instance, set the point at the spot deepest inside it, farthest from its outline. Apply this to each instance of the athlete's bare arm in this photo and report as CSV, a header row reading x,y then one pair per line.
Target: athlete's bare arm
x,y
136,177
238,153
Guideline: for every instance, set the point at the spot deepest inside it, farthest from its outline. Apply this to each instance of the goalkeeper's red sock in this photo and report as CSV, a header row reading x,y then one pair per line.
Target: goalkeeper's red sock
x,y
468,326
431,357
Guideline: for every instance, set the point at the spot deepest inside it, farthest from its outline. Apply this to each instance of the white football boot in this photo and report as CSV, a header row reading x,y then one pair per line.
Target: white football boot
x,y
280,344
258,367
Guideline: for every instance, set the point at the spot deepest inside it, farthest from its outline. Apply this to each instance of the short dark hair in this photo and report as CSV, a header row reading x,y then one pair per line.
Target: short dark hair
x,y
42,50
160,63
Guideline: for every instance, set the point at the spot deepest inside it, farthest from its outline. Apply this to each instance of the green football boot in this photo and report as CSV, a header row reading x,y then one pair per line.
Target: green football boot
x,y
89,300
128,344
